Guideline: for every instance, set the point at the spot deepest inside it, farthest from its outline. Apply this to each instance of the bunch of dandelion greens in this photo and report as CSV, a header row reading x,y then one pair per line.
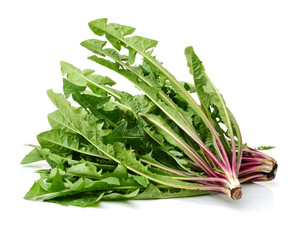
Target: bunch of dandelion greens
x,y
160,144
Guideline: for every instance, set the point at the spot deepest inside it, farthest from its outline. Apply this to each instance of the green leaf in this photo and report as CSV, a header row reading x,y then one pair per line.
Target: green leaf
x,y
118,134
81,79
188,86
141,180
147,158
125,134
171,136
95,103
153,192
37,189
264,147
209,96
57,182
102,80
85,199
57,121
154,134
115,34
59,190
58,141
84,170
70,88
118,196
33,156
206,90
90,100
137,103
57,161
119,172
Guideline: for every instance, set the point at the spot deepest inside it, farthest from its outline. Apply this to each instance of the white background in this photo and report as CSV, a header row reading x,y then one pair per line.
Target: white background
x,y
250,50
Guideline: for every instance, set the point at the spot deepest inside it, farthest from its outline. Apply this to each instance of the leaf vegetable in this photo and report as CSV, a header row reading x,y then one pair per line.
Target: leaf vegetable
x,y
159,144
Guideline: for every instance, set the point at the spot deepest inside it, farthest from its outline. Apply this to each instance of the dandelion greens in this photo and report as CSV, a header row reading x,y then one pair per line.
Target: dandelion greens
x,y
159,144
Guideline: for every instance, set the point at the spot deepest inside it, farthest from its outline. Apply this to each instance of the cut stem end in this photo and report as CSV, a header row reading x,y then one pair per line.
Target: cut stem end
x,y
271,175
236,193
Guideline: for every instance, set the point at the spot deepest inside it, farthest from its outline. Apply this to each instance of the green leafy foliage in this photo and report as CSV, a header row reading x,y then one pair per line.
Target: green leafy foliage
x,y
114,146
